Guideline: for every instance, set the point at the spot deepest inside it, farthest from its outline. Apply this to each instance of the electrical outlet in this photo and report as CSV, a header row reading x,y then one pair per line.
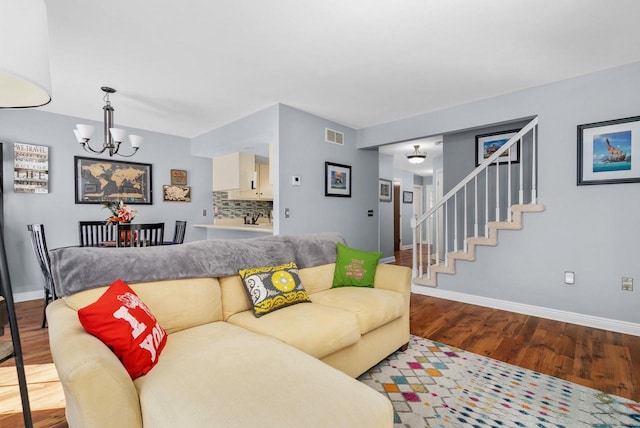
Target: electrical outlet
x,y
627,283
569,277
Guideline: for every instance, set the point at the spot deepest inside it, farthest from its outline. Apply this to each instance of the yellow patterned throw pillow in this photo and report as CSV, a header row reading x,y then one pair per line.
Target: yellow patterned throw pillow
x,y
273,287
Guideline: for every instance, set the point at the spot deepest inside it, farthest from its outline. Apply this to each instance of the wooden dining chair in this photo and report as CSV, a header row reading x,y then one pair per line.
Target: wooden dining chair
x,y
178,233
39,243
139,234
95,233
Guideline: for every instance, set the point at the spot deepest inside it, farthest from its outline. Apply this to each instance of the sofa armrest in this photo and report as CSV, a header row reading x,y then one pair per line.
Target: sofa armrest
x,y
393,278
98,390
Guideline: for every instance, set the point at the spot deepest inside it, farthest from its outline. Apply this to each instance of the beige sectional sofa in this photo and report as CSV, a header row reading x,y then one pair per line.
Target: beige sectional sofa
x,y
222,366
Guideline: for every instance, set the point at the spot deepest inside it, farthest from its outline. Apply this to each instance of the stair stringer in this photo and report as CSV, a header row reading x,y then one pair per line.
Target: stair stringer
x,y
449,265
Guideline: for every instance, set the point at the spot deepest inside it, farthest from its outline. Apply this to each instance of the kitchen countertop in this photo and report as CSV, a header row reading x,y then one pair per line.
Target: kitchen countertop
x,y
238,225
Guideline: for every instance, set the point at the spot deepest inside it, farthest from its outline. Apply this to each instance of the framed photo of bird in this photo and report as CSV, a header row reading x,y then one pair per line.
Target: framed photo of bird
x,y
606,152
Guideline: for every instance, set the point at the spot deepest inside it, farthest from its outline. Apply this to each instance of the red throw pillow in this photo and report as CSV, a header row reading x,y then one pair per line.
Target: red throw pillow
x,y
125,324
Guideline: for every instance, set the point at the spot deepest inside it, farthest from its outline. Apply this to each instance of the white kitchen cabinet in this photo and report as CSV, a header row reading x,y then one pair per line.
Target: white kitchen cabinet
x,y
234,171
262,190
265,185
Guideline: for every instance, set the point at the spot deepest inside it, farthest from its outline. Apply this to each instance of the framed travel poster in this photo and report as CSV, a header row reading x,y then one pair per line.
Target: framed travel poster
x,y
100,180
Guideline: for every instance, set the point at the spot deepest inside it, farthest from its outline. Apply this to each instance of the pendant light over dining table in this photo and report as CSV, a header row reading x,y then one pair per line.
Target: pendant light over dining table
x,y
113,137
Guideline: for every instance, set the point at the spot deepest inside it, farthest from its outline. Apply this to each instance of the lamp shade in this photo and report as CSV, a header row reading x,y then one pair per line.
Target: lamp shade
x,y
416,156
25,79
136,141
118,134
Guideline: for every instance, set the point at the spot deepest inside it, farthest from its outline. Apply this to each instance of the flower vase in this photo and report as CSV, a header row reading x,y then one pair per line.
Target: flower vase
x,y
129,234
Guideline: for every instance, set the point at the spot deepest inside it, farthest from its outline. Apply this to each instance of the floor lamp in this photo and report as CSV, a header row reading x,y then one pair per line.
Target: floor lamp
x,y
25,82
7,293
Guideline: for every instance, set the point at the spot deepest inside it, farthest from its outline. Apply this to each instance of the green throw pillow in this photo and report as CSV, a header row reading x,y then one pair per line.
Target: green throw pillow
x,y
273,287
355,268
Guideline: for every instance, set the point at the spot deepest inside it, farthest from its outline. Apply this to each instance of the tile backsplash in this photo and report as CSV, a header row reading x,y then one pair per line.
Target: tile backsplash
x,y
225,208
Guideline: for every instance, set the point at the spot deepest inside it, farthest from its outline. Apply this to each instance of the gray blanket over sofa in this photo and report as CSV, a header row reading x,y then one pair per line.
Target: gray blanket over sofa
x,y
79,268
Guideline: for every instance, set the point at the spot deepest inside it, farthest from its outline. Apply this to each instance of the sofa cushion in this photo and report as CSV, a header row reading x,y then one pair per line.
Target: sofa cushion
x,y
317,330
199,302
234,296
317,278
123,322
373,307
231,377
273,287
355,267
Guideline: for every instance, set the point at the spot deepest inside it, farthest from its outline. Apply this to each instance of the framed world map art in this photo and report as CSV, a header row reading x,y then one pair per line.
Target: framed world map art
x,y
100,180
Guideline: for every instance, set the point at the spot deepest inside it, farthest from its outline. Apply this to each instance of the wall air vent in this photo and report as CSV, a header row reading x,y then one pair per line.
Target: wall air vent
x,y
332,136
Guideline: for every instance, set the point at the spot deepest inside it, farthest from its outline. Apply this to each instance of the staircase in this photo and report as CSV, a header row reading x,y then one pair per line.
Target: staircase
x,y
493,197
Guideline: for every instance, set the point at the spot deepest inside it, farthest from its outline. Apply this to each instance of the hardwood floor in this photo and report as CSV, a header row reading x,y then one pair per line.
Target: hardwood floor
x,y
45,394
595,358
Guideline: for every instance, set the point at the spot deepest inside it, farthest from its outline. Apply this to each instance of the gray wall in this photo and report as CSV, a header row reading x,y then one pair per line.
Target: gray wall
x,y
57,209
299,149
302,152
252,133
588,229
385,165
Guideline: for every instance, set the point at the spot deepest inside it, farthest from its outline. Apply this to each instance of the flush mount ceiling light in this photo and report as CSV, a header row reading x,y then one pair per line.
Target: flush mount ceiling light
x,y
25,80
416,156
113,137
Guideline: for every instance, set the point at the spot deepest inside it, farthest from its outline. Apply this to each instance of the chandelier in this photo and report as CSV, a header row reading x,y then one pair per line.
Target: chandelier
x,y
113,137
416,156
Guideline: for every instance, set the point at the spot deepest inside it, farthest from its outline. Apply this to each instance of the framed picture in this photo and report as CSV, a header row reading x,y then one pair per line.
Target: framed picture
x,y
30,168
605,152
384,190
488,144
100,180
179,177
176,193
337,180
407,197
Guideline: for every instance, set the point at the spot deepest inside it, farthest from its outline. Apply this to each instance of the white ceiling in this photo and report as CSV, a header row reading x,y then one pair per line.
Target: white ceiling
x,y
186,67
431,146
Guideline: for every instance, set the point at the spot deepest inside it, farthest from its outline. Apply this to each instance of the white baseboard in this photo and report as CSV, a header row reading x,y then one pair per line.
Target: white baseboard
x,y
406,247
28,295
391,259
538,311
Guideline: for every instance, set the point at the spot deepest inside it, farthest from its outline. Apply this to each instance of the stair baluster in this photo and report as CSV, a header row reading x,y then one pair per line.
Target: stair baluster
x,y
456,241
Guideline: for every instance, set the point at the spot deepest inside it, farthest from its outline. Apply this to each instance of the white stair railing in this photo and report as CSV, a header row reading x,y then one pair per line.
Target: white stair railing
x,y
467,210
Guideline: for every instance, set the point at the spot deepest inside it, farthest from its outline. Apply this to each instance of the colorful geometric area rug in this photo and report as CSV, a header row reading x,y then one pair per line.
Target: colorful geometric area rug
x,y
435,385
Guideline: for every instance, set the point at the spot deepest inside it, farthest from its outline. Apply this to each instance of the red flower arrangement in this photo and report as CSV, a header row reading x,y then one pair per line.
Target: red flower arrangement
x,y
120,212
